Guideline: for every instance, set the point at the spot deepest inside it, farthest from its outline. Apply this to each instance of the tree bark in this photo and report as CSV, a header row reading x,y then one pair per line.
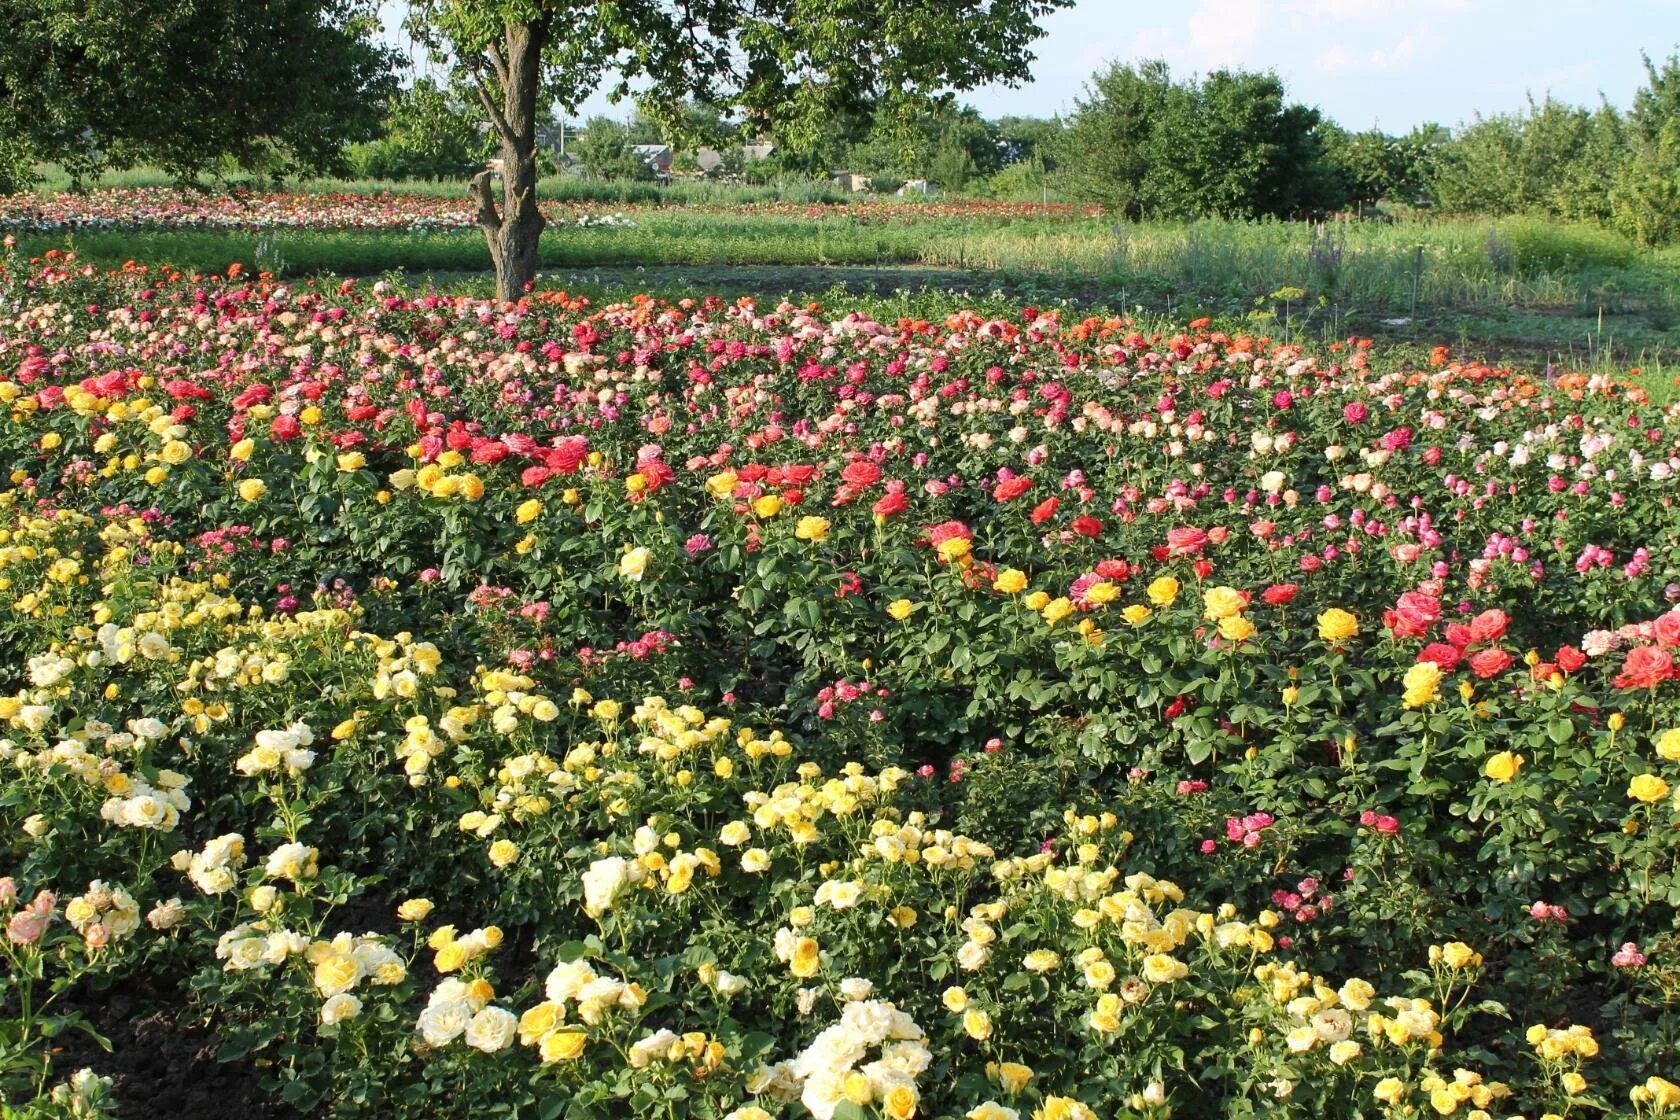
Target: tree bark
x,y
513,228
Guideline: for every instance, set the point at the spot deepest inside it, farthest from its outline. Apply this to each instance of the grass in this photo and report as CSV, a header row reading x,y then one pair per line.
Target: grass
x,y
1514,289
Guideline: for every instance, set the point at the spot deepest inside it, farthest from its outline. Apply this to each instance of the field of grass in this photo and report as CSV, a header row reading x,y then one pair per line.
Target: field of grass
x,y
1512,289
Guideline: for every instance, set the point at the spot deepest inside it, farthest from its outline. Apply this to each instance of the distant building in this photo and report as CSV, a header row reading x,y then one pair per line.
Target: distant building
x,y
914,186
656,156
710,159
850,180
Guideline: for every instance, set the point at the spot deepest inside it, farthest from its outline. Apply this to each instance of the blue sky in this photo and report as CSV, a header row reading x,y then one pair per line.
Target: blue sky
x,y
1391,63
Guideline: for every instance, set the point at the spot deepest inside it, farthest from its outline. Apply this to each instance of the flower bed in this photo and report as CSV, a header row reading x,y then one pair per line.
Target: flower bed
x,y
163,208
713,709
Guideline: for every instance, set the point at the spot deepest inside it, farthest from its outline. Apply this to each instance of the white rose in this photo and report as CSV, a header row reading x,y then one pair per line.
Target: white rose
x,y
339,1008
492,1029
442,1023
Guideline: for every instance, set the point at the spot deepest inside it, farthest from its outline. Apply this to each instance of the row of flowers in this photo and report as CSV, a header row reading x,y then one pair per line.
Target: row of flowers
x,y
163,208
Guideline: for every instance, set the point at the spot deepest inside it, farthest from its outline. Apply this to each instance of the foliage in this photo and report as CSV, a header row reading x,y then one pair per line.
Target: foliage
x,y
1226,145
185,84
428,133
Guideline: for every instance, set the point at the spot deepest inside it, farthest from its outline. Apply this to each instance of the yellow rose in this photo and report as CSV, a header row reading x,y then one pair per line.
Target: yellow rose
x,y
562,1046
336,972
1337,625
175,452
1222,602
529,510
1503,766
1159,968
1162,591
900,608
1136,614
252,489
722,484
503,852
1389,1090
807,958
1013,1076
1236,628
1036,601
900,1102
955,1000
351,461
1668,745
415,909
241,451
1010,581
1421,682
633,564
811,528
472,487
1647,788
1057,609
769,505
977,1024
536,1022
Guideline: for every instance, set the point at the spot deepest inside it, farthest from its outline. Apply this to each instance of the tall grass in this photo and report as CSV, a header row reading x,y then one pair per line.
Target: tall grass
x,y
1401,269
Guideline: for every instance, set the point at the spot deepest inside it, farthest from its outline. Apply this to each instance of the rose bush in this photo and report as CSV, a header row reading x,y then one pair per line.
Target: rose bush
x,y
712,710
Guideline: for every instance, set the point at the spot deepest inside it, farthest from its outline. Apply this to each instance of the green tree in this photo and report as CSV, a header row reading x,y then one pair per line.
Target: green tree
x,y
603,147
785,65
1110,148
187,84
1024,139
430,132
1227,145
1645,201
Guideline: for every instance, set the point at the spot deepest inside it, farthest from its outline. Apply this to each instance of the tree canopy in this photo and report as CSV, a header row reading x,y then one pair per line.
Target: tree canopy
x,y
187,85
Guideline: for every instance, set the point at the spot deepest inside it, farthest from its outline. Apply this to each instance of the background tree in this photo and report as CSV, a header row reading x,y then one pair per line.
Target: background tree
x,y
1227,145
785,65
1645,200
429,132
187,84
603,148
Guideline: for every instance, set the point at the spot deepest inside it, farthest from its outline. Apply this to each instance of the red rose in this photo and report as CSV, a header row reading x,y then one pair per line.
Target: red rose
x,y
1116,570
1570,659
1458,634
1087,526
860,473
1413,615
1645,667
1489,626
1668,629
1011,488
1279,594
1186,540
1045,510
1442,654
1490,663
893,501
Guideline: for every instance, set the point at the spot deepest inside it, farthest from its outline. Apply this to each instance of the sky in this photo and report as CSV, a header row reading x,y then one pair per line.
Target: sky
x,y
1365,63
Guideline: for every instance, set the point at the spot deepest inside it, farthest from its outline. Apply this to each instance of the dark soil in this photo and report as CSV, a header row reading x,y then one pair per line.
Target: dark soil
x,y
163,1066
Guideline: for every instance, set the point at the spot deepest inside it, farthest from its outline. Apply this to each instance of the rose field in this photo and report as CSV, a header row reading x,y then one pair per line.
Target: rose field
x,y
742,709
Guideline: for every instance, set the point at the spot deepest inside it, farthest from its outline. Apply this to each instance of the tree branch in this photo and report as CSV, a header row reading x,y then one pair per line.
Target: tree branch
x,y
488,216
497,62
497,117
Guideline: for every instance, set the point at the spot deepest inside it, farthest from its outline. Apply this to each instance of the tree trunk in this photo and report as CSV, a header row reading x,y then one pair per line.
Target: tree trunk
x,y
513,228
